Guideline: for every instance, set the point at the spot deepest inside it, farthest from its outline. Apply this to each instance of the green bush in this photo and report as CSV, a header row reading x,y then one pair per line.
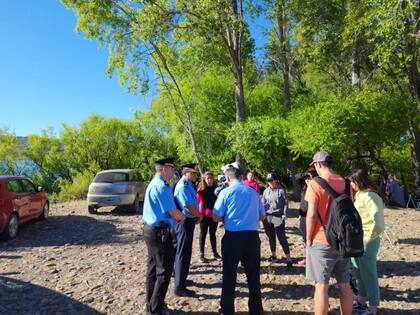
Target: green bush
x,y
77,188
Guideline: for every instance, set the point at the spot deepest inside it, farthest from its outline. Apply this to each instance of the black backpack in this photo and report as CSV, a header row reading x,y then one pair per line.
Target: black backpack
x,y
344,227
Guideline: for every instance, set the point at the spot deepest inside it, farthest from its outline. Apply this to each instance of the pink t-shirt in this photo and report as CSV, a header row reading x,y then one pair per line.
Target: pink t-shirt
x,y
253,184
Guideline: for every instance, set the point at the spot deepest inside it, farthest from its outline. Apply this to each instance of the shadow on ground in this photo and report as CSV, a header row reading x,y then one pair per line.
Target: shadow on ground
x,y
397,268
409,241
63,230
120,211
385,311
175,312
19,297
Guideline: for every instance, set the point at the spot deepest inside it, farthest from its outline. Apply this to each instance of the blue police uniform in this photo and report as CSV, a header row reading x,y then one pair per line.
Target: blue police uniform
x,y
241,209
158,236
185,195
158,201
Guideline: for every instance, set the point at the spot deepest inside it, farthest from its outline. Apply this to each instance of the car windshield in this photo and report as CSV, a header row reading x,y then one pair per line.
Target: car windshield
x,y
111,177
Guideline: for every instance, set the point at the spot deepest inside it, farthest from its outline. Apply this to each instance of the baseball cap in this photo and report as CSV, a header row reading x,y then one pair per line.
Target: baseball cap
x,y
321,156
272,176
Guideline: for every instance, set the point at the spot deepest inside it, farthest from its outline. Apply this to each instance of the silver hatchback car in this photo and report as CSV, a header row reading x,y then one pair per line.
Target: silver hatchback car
x,y
119,187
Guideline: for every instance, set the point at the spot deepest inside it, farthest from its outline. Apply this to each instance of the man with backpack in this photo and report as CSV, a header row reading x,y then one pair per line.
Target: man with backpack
x,y
326,254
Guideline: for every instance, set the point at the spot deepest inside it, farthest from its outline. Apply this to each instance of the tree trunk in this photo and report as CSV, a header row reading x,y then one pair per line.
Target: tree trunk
x,y
240,110
239,94
281,21
414,134
414,127
381,168
188,125
233,41
355,64
282,25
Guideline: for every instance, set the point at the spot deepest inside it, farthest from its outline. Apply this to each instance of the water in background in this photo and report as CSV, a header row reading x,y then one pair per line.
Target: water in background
x,y
19,167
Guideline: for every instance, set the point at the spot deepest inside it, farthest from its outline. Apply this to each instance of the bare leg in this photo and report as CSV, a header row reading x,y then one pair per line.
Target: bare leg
x,y
346,298
321,299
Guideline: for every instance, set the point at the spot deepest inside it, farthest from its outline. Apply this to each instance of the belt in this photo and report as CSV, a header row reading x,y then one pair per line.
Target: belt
x,y
161,226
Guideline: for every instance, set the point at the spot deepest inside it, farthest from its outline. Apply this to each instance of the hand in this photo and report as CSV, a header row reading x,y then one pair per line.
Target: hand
x,y
198,219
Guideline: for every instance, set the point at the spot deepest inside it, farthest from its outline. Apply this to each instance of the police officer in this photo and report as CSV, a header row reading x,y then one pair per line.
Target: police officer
x,y
160,217
240,208
185,195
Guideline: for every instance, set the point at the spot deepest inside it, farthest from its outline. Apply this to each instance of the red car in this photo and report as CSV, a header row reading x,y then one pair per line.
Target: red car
x,y
20,201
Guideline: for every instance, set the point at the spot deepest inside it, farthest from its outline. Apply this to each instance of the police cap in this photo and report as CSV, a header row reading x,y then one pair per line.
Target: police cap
x,y
189,167
166,162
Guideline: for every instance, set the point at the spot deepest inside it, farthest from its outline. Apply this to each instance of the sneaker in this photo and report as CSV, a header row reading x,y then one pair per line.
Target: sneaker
x,y
202,259
272,258
359,308
185,292
217,257
189,283
165,309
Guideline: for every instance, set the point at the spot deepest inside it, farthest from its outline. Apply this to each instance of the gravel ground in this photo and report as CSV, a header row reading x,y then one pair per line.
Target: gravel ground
x,y
77,263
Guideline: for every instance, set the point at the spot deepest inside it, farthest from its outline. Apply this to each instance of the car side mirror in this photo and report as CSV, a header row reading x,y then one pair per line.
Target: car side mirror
x,y
39,188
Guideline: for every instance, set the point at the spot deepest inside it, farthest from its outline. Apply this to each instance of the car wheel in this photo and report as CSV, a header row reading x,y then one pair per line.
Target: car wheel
x,y
92,210
135,207
45,211
12,227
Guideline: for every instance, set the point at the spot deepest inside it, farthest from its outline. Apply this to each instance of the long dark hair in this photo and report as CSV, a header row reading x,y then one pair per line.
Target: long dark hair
x,y
203,185
361,178
309,174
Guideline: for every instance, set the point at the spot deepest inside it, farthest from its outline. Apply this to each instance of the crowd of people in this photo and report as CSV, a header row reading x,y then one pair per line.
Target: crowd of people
x,y
170,215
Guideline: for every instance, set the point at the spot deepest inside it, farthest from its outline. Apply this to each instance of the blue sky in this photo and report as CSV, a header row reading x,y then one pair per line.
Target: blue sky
x,y
51,75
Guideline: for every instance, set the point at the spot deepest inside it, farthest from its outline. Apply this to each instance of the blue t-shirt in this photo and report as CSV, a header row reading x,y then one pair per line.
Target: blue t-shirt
x,y
240,206
186,195
158,202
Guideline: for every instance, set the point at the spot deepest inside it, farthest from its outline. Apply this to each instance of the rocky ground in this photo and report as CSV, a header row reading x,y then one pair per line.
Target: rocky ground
x,y
77,263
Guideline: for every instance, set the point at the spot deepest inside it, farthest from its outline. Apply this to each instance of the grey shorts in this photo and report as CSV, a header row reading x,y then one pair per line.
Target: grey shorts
x,y
322,261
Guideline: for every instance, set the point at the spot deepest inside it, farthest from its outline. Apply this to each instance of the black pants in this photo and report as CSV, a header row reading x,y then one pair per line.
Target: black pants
x,y
160,262
205,225
184,238
280,231
241,246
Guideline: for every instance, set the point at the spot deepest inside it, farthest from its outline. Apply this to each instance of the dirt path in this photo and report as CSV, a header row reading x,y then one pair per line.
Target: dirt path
x,y
77,263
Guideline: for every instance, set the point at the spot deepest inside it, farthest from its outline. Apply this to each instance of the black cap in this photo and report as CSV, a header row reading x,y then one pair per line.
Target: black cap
x,y
189,167
272,176
166,162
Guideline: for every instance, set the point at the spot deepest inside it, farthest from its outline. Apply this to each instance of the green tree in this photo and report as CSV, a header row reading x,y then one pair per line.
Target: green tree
x,y
139,36
10,152
46,152
105,142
